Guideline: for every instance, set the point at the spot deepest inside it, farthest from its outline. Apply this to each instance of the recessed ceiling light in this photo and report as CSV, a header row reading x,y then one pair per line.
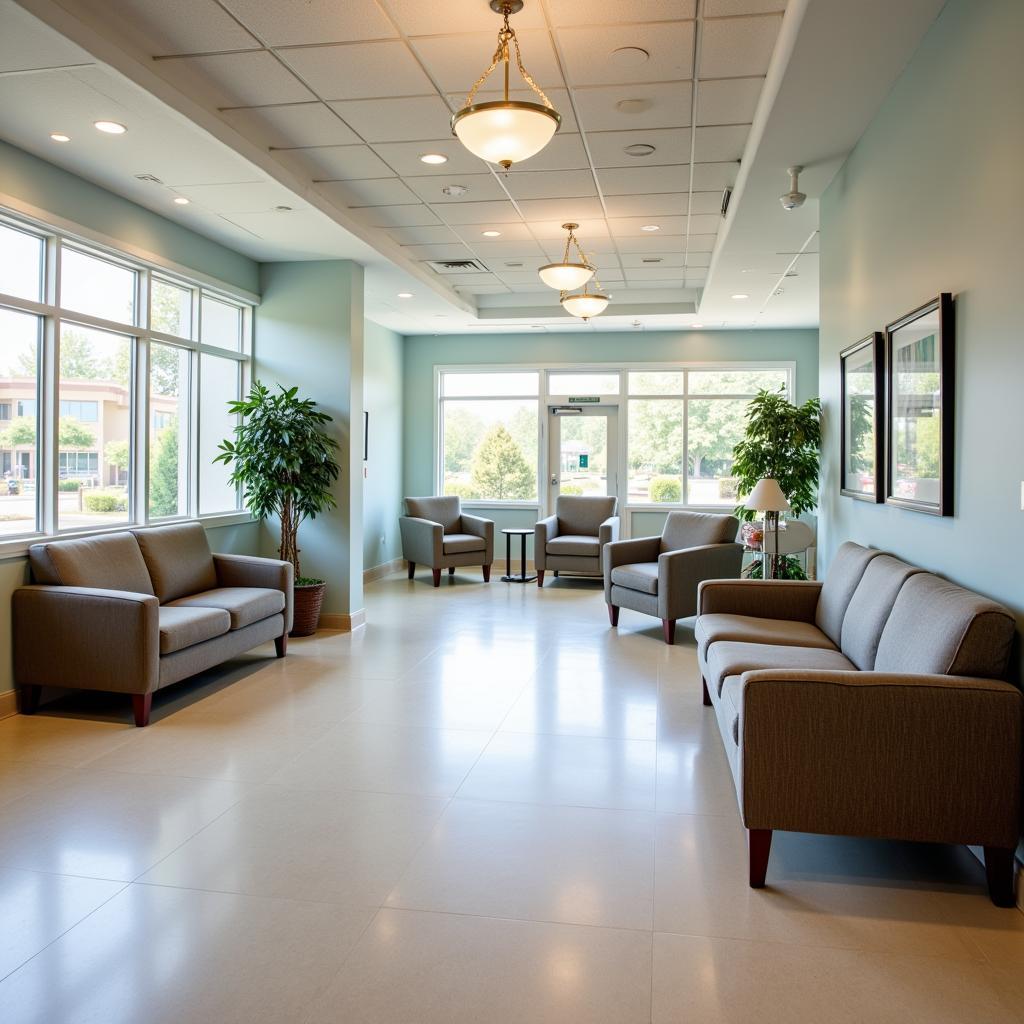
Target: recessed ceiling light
x,y
60,137
110,127
635,106
491,234
454,191
740,295
651,227
405,295
630,56
182,201
639,149
434,158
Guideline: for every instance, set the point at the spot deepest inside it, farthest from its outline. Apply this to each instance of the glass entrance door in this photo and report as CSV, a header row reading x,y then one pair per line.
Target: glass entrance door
x,y
583,451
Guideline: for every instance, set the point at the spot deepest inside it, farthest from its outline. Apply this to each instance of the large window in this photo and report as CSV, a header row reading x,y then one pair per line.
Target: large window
x,y
107,359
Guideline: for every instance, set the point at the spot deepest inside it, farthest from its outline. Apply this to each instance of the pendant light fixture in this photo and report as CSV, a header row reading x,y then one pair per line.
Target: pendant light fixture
x,y
567,275
506,131
585,304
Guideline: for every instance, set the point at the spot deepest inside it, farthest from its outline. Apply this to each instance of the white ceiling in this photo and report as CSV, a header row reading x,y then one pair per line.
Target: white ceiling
x,y
325,106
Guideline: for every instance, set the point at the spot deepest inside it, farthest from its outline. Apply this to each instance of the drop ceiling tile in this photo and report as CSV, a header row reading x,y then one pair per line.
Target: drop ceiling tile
x,y
517,277
610,12
412,215
721,142
600,251
667,204
559,99
469,280
638,260
370,192
456,62
546,230
482,188
484,214
418,18
518,264
404,157
623,227
238,79
424,235
706,202
659,273
482,289
738,46
620,181
397,120
359,70
730,8
241,197
564,152
509,233
312,21
24,47
442,251
668,106
577,209
703,243
291,124
506,250
185,26
728,100
549,184
655,244
654,284
705,223
671,146
536,287
707,177
606,55
303,233
335,163
698,259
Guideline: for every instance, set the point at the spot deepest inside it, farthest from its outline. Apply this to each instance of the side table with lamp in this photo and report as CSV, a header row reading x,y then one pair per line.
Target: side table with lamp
x,y
767,497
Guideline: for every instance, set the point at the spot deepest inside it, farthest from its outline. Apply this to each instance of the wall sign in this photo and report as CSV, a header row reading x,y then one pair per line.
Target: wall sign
x,y
587,399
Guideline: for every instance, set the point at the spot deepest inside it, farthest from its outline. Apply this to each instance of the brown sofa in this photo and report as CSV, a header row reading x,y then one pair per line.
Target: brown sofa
x,y
133,612
870,705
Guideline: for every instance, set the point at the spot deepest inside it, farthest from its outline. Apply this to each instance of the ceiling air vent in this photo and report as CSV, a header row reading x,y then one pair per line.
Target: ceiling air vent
x,y
457,267
726,197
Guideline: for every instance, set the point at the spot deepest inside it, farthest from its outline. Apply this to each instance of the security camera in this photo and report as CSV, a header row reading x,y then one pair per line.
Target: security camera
x,y
794,198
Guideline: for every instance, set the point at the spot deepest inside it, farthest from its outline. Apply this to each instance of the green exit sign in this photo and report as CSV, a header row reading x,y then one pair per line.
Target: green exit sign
x,y
584,462
585,399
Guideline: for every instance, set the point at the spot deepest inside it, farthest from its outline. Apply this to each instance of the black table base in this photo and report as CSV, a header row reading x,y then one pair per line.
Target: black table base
x,y
522,577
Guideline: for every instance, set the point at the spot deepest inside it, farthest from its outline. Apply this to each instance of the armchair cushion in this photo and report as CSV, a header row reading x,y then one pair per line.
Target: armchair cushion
x,y
642,576
110,562
244,605
460,543
582,515
578,546
183,627
727,658
694,529
443,509
178,558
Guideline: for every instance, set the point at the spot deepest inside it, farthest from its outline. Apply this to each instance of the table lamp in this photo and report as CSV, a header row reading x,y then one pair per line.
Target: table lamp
x,y
767,497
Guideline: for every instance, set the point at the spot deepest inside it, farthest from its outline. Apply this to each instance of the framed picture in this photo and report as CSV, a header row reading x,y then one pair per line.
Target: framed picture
x,y
919,355
862,439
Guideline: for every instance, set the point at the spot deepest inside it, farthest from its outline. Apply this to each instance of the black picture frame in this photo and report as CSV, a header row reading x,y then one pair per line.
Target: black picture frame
x,y
930,329
366,435
872,347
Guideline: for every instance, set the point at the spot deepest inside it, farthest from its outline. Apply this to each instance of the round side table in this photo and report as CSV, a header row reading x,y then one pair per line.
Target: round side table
x,y
522,577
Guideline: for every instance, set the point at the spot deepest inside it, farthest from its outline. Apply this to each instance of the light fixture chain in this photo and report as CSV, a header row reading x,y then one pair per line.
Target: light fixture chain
x,y
526,74
501,53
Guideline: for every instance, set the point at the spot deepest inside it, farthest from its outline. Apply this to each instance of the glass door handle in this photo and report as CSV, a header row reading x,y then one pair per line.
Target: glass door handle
x,y
554,481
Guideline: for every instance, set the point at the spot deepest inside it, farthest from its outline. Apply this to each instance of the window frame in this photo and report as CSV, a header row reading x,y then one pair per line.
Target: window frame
x,y
57,235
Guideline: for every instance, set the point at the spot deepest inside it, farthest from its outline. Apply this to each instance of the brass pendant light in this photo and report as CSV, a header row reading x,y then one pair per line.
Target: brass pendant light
x,y
567,275
506,131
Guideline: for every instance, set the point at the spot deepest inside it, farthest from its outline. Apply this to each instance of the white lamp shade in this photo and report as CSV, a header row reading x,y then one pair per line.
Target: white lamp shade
x,y
506,131
585,305
767,496
566,277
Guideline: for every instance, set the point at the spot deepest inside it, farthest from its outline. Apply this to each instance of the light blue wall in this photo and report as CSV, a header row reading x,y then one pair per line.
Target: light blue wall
x,y
382,484
309,332
423,353
929,201
65,195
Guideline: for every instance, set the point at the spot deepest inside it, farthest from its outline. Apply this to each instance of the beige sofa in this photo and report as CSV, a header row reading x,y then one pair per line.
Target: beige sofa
x,y
133,612
870,705
438,534
573,538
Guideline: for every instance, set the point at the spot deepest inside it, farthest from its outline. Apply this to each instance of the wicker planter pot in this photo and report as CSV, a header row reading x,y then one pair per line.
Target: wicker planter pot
x,y
308,599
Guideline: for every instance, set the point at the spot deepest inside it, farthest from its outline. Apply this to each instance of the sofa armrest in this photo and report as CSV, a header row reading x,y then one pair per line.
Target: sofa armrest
x,y
921,757
422,541
765,599
544,531
680,574
86,638
250,571
477,526
608,531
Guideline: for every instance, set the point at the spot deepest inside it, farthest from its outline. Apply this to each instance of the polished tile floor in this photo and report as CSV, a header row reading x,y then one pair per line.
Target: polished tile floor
x,y
485,807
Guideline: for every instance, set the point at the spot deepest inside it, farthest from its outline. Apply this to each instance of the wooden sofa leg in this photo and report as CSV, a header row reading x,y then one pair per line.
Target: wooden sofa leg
x,y
30,696
999,869
540,577
281,643
487,574
707,695
141,705
668,627
437,577
412,569
759,846
613,614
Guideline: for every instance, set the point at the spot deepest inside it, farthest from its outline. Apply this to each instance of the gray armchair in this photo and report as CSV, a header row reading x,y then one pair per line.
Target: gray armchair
x,y
437,533
572,539
659,576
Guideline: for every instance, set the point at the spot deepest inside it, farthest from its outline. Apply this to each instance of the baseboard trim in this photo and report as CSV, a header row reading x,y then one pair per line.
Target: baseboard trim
x,y
378,572
346,623
8,703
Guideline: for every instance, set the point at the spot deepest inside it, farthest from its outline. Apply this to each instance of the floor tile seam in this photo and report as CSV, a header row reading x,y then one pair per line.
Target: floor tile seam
x,y
540,803
265,897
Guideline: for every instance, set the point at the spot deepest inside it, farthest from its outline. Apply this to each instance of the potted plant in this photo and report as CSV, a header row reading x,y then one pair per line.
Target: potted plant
x,y
285,464
782,442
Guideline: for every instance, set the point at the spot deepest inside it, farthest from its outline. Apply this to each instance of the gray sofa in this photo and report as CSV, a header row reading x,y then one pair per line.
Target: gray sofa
x,y
573,538
659,575
133,612
437,533
870,705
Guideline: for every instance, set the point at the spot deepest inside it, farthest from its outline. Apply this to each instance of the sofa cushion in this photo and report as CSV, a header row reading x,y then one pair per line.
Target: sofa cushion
x,y
693,529
110,562
178,558
459,543
183,627
844,573
642,576
583,515
244,604
753,630
936,626
443,509
729,658
574,544
870,606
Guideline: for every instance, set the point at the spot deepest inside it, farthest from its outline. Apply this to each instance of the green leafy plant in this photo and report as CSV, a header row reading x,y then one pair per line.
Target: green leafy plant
x,y
499,469
284,462
786,568
782,441
665,488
